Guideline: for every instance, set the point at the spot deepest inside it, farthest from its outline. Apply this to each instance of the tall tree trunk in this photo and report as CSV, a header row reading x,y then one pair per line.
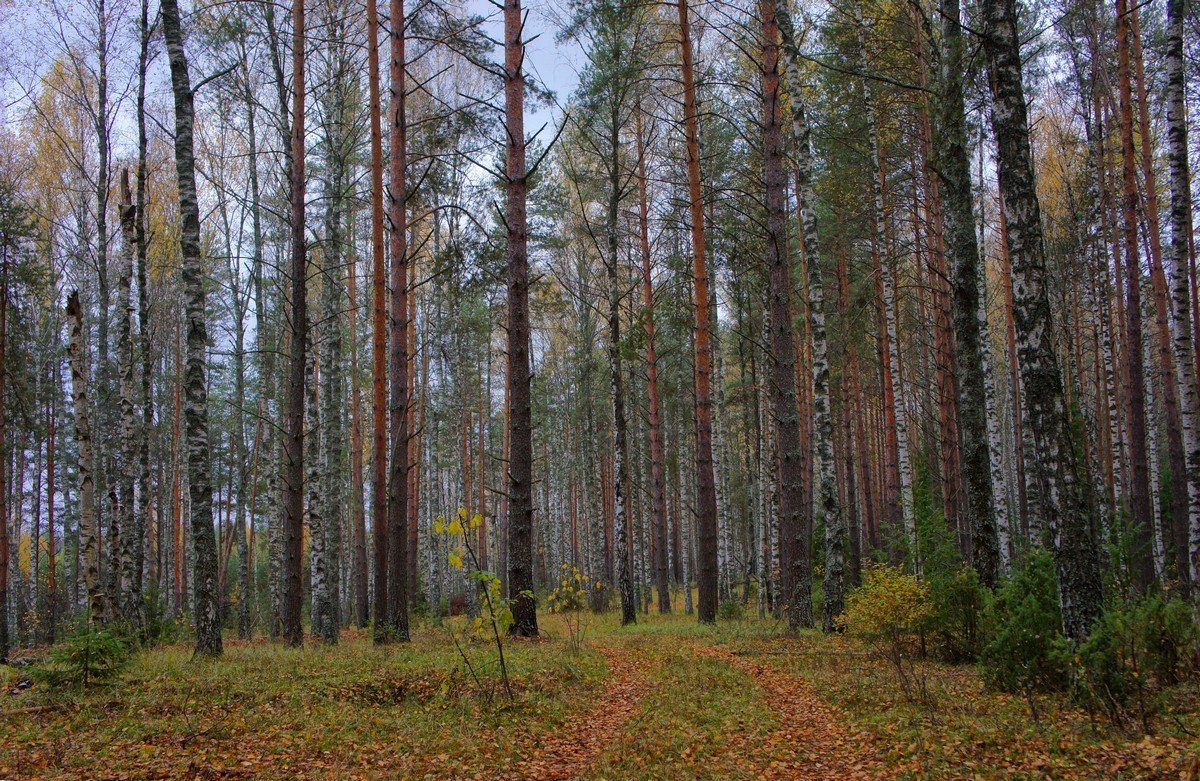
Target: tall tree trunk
x,y
293,420
706,490
1170,395
51,554
658,494
147,511
204,544
379,501
130,607
1187,539
358,567
4,537
794,517
827,498
969,291
520,455
89,538
1064,501
1140,494
397,514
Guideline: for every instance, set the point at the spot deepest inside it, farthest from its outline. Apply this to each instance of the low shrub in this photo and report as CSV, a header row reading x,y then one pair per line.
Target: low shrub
x,y
1027,652
85,657
1138,648
731,610
958,627
889,610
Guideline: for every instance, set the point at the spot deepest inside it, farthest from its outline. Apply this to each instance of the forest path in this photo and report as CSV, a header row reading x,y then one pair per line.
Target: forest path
x,y
812,742
809,742
569,752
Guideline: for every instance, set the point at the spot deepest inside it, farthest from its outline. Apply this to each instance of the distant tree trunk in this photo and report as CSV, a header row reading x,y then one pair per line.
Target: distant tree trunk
x,y
995,445
1187,544
52,571
1064,501
397,515
520,456
204,544
953,167
658,499
706,491
1140,494
4,538
794,517
416,417
379,500
358,567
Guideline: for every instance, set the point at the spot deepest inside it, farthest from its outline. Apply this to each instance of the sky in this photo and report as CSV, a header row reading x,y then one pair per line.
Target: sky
x,y
555,64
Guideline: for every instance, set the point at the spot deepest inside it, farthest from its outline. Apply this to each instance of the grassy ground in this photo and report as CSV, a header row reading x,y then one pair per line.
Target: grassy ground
x,y
664,699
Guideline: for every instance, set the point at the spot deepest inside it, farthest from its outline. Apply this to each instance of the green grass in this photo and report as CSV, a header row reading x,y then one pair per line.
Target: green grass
x,y
414,711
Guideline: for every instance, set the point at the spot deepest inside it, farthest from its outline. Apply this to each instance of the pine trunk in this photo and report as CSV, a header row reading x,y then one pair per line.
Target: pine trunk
x,y
520,454
706,491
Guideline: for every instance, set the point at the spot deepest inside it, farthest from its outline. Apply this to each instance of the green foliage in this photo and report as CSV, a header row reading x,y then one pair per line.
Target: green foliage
x,y
161,629
731,610
85,657
1028,652
957,624
1138,648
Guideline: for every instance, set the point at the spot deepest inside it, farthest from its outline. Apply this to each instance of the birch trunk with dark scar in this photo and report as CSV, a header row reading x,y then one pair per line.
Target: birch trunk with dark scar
x,y
1187,540
827,496
1058,474
706,491
204,544
520,455
129,603
794,518
953,167
314,504
89,538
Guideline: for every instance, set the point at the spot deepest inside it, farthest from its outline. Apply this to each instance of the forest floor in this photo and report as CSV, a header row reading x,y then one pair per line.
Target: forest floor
x,y
665,699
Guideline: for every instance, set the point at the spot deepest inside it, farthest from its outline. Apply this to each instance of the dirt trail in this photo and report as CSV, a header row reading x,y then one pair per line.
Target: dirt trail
x,y
570,752
812,742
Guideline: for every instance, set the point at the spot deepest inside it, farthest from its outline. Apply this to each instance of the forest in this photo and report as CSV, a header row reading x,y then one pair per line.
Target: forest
x,y
547,389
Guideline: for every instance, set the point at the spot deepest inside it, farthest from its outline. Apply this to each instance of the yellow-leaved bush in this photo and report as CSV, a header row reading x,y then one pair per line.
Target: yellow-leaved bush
x,y
888,610
890,603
